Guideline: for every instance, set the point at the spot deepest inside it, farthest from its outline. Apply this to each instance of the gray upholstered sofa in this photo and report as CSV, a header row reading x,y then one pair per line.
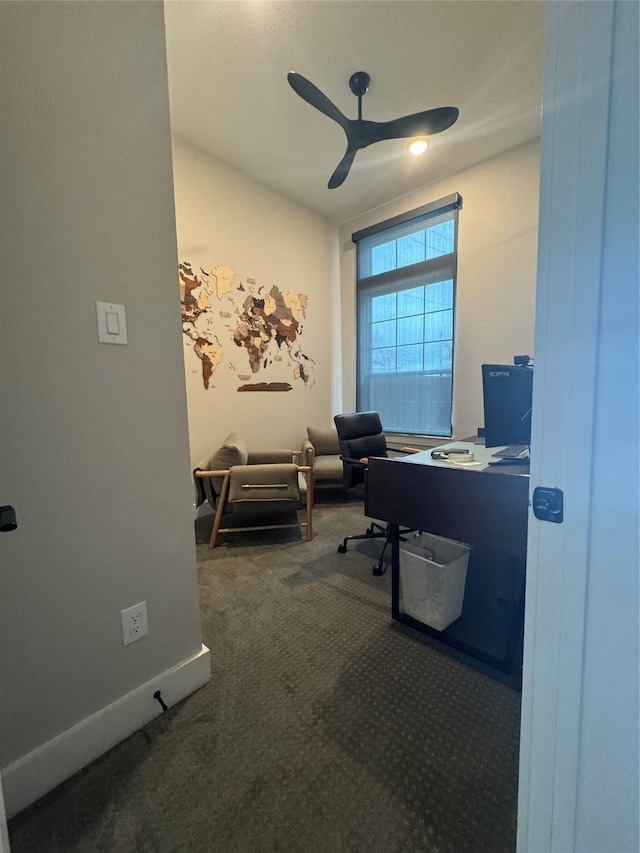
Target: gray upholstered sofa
x,y
321,452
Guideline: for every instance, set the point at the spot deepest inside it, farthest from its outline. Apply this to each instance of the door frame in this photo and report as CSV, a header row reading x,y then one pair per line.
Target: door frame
x,y
4,833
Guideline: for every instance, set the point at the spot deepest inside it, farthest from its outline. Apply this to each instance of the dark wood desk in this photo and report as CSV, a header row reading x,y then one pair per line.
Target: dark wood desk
x,y
485,508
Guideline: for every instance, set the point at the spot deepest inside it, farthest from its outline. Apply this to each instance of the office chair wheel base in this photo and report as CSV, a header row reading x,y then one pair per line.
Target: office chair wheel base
x,y
378,571
342,549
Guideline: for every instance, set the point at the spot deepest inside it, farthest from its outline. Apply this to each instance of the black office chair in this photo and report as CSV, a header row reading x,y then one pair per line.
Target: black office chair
x,y
360,435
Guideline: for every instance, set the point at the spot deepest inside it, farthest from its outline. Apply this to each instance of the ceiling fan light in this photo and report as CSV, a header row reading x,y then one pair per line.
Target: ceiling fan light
x,y
418,145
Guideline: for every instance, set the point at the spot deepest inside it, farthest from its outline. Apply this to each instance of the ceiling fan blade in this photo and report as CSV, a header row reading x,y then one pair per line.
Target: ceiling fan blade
x,y
419,124
342,169
312,95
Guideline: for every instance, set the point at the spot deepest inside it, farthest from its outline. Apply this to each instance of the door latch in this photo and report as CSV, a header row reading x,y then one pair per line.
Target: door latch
x,y
8,520
548,504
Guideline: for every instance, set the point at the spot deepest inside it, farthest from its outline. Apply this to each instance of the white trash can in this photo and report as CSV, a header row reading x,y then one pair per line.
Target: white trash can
x,y
433,574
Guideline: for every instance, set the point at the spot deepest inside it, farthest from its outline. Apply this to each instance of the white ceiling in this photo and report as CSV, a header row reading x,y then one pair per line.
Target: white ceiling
x,y
228,62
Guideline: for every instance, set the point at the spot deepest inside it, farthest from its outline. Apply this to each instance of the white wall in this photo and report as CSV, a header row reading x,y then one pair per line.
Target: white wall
x,y
496,272
226,218
94,446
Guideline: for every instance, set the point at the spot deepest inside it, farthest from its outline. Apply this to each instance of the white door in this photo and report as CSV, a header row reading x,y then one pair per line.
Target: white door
x,y
579,744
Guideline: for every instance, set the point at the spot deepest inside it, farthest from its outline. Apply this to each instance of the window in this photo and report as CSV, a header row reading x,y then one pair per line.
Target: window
x,y
406,281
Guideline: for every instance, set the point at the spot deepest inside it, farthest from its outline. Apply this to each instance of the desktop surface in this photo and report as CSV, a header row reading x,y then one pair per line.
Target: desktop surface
x,y
484,458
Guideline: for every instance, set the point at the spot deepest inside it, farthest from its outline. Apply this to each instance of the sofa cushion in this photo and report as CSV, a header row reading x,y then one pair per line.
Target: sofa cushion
x,y
325,441
327,468
233,451
264,483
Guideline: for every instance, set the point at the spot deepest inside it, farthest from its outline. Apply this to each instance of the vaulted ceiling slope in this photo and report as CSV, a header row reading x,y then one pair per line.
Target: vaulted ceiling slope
x,y
228,62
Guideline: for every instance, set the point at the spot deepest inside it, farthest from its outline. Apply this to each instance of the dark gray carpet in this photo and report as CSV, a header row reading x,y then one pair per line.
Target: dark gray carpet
x,y
326,728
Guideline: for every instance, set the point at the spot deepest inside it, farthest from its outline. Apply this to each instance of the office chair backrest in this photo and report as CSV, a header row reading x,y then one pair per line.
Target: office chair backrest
x,y
360,435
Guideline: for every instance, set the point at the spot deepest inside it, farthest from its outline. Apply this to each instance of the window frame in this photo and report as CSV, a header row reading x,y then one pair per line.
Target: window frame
x,y
440,268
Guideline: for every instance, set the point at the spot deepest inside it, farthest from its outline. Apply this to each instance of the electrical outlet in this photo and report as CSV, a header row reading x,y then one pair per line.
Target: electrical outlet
x,y
135,623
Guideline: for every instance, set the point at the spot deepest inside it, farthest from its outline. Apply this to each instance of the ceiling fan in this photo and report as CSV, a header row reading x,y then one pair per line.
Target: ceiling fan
x,y
361,133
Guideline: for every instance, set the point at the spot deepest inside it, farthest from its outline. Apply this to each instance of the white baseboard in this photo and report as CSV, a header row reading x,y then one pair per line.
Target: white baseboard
x,y
38,772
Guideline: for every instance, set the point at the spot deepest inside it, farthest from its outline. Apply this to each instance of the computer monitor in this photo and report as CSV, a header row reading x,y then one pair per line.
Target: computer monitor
x,y
507,392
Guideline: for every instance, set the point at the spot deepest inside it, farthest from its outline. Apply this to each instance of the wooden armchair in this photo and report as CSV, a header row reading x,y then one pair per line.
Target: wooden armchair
x,y
253,487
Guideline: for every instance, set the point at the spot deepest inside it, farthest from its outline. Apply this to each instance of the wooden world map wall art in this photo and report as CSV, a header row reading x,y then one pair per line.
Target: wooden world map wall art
x,y
265,326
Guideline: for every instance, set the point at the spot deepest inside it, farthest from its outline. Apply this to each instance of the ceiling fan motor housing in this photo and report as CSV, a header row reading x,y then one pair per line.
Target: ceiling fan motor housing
x,y
359,83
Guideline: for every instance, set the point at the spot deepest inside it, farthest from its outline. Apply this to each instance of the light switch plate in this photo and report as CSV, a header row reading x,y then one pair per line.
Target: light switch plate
x,y
112,323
